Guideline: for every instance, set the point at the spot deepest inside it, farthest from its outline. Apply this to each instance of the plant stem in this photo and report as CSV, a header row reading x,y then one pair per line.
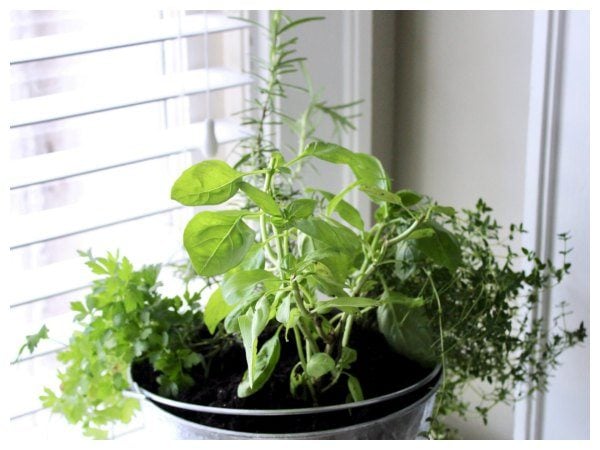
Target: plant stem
x,y
441,331
298,340
305,313
347,331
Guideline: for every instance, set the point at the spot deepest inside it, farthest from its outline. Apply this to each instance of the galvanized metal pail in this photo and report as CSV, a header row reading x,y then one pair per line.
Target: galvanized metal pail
x,y
399,415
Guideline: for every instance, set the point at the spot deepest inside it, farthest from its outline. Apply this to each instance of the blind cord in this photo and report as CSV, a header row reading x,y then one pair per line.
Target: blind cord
x,y
210,141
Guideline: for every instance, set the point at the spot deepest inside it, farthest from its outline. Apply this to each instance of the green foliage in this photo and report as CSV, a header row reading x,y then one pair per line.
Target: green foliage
x,y
206,183
32,341
440,286
122,319
408,331
217,241
266,361
216,310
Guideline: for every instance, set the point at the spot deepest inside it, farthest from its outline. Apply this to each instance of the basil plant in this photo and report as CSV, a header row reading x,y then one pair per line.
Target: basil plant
x,y
308,265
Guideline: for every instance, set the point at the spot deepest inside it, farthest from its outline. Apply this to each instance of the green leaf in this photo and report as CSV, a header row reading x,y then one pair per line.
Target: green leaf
x,y
408,197
191,359
446,210
365,167
330,266
32,341
96,268
231,321
251,325
396,298
130,303
216,310
95,433
381,195
266,360
442,247
217,241
48,400
295,23
254,259
349,355
301,208
319,364
333,202
139,347
331,233
127,409
283,311
244,284
347,304
354,388
207,183
326,280
407,258
263,200
346,211
420,233
408,332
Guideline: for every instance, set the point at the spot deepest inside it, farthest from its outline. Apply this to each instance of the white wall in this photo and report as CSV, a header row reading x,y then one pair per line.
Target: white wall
x,y
461,109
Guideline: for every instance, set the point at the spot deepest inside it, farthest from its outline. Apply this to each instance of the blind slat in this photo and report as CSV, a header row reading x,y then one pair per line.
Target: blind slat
x,y
34,228
73,275
72,104
34,170
68,44
49,281
55,427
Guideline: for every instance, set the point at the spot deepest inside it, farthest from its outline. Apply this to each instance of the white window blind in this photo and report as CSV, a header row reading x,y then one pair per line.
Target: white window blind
x,y
106,110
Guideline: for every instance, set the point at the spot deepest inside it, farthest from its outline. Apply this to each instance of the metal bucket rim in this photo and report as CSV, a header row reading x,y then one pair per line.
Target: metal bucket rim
x,y
284,412
304,434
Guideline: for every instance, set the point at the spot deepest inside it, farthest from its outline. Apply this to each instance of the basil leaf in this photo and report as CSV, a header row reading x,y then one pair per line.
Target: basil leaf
x,y
354,388
408,197
420,233
266,360
408,332
349,355
350,305
397,298
231,321
365,167
331,233
207,183
301,208
216,310
381,195
346,211
251,325
244,284
263,200
442,247
217,241
326,281
319,364
407,260
254,259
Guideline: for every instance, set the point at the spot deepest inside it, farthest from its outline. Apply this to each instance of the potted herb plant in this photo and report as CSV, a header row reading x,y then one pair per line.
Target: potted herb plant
x,y
308,323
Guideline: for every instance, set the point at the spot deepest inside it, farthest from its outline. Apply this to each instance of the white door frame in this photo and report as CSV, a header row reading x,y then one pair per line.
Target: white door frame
x,y
542,167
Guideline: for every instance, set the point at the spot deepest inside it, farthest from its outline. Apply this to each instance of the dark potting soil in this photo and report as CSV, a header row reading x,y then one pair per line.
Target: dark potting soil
x,y
379,369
